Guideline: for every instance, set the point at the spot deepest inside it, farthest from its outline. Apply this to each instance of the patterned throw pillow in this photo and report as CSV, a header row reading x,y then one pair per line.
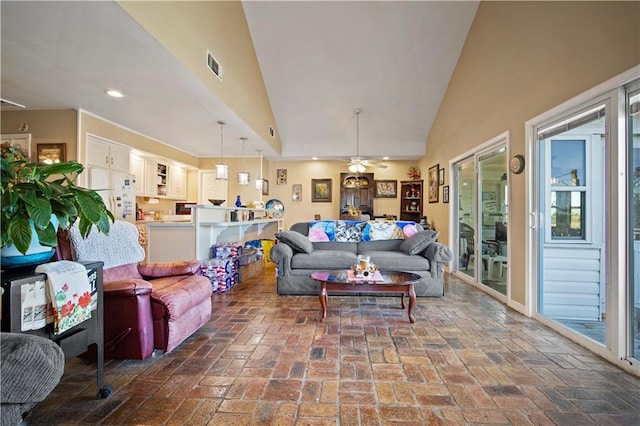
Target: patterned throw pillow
x,y
322,230
382,230
349,230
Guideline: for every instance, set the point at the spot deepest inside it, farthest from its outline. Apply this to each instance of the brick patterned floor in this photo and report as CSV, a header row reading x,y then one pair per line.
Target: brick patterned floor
x,y
267,359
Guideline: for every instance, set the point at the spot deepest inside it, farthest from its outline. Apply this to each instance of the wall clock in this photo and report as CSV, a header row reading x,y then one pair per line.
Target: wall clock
x,y
516,165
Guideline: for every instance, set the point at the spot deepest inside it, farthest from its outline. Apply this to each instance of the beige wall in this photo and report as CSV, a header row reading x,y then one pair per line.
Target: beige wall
x,y
45,126
521,59
301,172
104,129
188,29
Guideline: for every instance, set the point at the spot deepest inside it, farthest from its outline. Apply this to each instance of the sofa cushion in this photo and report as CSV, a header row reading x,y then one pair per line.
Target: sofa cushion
x,y
379,245
324,259
419,242
336,245
297,241
398,261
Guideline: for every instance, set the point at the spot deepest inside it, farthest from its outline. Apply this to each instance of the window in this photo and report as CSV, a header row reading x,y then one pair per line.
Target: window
x,y
568,189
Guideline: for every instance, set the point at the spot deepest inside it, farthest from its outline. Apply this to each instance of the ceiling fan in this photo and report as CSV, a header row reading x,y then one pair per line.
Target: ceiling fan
x,y
359,164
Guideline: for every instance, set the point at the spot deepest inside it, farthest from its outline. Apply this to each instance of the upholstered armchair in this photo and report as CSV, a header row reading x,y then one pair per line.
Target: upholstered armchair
x,y
146,306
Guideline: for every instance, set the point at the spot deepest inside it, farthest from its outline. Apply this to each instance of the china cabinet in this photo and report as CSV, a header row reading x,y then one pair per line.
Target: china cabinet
x,y
411,197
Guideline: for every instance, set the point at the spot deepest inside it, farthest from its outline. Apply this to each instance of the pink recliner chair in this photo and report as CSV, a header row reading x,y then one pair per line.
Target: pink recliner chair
x,y
146,306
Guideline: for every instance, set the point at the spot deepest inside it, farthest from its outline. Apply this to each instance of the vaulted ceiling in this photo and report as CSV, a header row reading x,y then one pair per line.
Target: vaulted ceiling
x,y
319,60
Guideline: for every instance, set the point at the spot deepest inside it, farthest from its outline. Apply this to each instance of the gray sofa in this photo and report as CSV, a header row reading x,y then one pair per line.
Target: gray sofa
x,y
297,257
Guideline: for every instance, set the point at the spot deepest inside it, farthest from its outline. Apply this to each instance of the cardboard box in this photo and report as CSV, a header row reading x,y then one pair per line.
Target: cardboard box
x,y
251,270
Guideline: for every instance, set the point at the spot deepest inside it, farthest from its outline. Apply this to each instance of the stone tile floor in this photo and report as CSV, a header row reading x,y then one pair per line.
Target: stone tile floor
x,y
267,359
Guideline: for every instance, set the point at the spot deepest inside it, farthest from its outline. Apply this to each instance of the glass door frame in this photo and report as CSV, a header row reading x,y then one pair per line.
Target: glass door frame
x,y
612,93
493,145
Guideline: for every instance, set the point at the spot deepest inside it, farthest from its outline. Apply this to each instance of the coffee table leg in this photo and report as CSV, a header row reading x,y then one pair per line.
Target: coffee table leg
x,y
323,299
402,301
412,302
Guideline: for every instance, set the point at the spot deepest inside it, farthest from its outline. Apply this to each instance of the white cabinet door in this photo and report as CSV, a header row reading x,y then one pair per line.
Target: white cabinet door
x,y
103,153
97,152
150,177
137,169
119,158
177,186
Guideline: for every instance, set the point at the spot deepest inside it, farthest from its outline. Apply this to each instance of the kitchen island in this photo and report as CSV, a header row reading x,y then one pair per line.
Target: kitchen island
x,y
169,241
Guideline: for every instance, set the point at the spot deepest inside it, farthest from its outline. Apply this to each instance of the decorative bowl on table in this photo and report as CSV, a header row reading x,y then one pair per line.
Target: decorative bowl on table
x,y
216,202
364,272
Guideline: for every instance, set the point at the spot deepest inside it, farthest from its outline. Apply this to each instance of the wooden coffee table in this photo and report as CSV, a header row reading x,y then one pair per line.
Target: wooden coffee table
x,y
384,282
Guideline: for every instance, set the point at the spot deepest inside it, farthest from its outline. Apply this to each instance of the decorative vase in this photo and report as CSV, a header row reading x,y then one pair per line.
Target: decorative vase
x,y
238,202
36,254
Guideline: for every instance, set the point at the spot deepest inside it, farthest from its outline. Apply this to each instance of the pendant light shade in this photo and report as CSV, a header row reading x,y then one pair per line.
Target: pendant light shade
x,y
243,176
222,170
259,180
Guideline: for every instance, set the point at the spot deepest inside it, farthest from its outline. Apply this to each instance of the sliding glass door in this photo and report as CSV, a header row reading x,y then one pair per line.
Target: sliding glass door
x,y
480,214
571,235
633,118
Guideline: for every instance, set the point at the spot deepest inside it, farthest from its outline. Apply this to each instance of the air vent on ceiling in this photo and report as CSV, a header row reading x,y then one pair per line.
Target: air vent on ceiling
x,y
214,65
272,132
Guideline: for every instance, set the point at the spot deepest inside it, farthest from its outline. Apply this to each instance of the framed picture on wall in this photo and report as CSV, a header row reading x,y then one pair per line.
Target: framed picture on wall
x,y
445,194
321,190
265,187
20,141
386,189
296,193
441,176
281,177
51,153
434,186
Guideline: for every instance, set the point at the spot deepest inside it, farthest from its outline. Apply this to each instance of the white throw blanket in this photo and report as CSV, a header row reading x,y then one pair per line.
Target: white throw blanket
x,y
119,247
70,293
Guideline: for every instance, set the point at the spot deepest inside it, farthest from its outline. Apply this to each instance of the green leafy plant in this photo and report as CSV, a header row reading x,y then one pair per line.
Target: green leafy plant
x,y
36,191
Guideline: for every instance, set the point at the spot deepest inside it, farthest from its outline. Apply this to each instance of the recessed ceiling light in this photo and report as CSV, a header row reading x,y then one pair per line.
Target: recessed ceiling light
x,y
385,158
314,158
114,93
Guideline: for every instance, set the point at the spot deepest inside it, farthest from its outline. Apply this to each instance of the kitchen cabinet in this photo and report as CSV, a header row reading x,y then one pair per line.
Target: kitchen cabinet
x,y
155,178
137,169
411,198
177,183
108,155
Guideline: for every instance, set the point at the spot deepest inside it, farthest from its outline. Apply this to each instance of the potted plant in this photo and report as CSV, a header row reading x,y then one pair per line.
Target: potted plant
x,y
37,198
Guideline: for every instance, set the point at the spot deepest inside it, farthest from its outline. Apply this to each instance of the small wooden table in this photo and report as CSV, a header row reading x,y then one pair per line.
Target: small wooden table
x,y
386,282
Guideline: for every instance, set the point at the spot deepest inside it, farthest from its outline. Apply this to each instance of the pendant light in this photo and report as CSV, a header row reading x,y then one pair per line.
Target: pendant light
x,y
259,180
222,170
243,176
356,165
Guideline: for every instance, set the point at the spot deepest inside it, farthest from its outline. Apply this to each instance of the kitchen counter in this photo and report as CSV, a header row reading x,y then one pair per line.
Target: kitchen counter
x,y
167,219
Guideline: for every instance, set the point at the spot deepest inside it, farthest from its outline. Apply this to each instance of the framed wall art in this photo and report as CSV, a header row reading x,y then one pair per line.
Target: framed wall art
x,y
445,194
441,176
386,189
265,187
281,177
51,153
296,193
21,141
434,186
321,190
